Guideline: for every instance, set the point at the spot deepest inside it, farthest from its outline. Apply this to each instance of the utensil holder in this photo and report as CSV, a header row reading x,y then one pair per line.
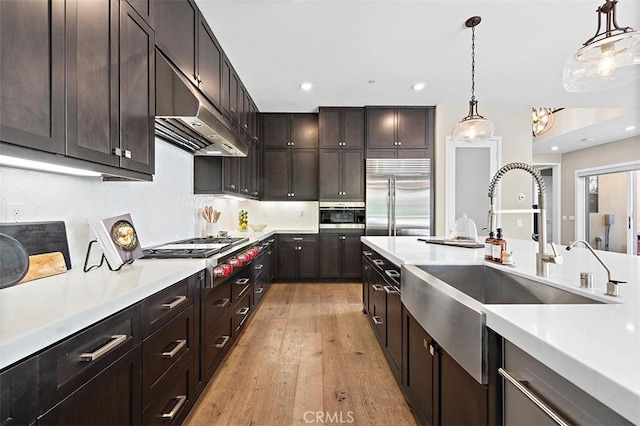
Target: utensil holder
x,y
210,229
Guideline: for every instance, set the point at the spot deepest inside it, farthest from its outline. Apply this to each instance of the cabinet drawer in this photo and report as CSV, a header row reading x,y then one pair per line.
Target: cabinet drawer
x,y
241,312
240,284
298,238
74,361
159,308
217,341
174,400
379,318
18,393
259,287
163,350
216,301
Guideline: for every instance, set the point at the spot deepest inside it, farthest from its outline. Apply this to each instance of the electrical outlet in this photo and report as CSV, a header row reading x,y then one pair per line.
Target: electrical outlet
x,y
519,223
14,212
301,213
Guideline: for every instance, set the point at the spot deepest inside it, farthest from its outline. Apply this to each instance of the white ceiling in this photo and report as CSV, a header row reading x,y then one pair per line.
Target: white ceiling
x,y
340,45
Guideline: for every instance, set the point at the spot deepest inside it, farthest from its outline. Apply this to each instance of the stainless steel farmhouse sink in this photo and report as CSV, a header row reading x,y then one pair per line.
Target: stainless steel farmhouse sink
x,y
447,301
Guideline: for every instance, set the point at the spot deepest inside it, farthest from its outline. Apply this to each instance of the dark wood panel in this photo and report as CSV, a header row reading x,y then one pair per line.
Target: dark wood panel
x,y
287,255
329,127
353,128
304,130
209,63
275,130
351,256
231,171
463,401
382,153
92,80
146,9
277,165
137,92
308,261
176,32
330,256
420,370
304,174
381,127
158,309
413,153
18,393
352,174
412,128
176,397
329,176
32,68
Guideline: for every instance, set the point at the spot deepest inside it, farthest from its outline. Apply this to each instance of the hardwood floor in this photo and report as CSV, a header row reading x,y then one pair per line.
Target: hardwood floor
x,y
307,356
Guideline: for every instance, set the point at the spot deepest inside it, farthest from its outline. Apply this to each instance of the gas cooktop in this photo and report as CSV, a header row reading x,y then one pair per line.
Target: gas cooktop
x,y
193,247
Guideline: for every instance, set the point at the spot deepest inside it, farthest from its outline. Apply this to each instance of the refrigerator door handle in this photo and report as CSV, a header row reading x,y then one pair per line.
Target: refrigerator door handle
x,y
389,224
392,213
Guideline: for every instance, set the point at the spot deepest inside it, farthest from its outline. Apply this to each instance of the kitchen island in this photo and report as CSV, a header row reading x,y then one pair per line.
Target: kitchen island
x,y
594,346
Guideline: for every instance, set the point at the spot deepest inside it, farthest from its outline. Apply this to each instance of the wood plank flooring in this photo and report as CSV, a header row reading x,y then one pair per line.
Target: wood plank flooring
x,y
307,356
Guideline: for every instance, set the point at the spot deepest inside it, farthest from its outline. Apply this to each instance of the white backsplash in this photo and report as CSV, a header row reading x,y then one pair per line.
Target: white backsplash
x,y
163,210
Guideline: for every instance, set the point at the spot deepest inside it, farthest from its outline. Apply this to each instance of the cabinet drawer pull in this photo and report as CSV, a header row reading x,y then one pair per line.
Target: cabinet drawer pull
x,y
243,311
259,267
233,109
176,302
232,186
297,238
180,344
118,339
242,281
392,273
390,290
378,262
259,290
533,398
377,287
377,320
223,343
223,303
269,252
180,400
367,253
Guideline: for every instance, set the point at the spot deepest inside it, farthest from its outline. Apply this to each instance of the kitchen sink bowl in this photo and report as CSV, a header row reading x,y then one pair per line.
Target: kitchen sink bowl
x,y
447,301
490,286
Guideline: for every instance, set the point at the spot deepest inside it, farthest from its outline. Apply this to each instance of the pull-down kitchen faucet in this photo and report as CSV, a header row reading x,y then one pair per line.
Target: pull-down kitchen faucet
x,y
612,285
542,259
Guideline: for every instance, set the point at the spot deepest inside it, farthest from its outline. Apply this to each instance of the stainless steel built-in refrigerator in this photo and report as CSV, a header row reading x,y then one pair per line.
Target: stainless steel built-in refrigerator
x,y
399,197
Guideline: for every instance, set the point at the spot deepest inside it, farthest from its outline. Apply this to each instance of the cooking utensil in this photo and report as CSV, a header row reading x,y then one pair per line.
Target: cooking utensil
x,y
14,261
44,265
40,237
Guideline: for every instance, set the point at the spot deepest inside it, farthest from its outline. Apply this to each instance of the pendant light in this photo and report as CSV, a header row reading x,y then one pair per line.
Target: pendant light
x,y
542,120
473,127
608,59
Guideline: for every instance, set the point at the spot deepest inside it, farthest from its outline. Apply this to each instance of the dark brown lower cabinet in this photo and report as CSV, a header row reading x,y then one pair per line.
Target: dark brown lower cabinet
x,y
463,401
18,393
173,402
111,397
297,256
339,254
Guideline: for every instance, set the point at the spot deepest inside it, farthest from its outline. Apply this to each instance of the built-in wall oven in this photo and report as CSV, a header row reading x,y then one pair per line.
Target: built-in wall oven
x,y
342,215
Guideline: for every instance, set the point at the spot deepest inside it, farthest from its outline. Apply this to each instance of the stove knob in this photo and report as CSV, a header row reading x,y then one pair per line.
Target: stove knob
x,y
220,271
229,269
236,262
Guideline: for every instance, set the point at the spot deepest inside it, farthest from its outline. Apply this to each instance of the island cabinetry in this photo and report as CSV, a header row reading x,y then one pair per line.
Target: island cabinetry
x,y
533,393
216,325
341,128
340,254
101,363
19,393
297,256
401,132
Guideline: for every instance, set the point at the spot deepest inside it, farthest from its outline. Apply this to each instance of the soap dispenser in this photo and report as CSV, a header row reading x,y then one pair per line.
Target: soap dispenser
x,y
499,245
488,246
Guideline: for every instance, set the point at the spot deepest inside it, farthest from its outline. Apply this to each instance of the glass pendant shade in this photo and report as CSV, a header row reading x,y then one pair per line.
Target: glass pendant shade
x,y
474,127
610,58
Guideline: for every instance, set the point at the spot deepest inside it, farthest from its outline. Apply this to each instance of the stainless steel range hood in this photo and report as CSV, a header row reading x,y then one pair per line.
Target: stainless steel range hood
x,y
187,119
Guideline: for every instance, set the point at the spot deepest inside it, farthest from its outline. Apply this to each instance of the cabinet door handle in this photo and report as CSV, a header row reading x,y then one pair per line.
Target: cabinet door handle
x,y
399,143
246,126
232,186
223,303
242,281
377,320
127,153
342,237
243,311
117,151
432,350
377,287
223,342
233,109
367,253
533,398
297,238
116,341
180,400
269,252
259,290
259,267
180,344
176,302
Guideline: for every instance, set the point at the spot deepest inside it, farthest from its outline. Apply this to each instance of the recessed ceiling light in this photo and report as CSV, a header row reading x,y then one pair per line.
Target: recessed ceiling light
x,y
372,81
306,86
418,86
554,148
629,128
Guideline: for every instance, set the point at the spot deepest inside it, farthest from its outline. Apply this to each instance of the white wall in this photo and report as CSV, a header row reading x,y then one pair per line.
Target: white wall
x,y
513,124
163,210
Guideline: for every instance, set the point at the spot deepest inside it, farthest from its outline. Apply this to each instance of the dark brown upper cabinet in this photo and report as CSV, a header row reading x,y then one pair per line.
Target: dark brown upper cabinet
x,y
399,128
176,24
230,83
290,174
341,176
341,127
137,92
32,74
209,63
290,130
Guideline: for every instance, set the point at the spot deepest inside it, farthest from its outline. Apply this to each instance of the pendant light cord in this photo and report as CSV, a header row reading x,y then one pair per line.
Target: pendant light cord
x,y
473,64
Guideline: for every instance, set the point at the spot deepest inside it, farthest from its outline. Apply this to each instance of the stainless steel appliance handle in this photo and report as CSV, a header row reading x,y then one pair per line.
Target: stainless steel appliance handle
x,y
223,343
389,224
181,399
393,206
180,344
176,302
118,339
533,398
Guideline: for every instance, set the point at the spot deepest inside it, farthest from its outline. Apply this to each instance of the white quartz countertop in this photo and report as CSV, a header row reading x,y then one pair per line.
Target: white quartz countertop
x,y
36,314
596,347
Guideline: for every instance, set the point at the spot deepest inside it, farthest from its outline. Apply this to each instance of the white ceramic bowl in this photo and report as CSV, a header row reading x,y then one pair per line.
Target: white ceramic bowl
x,y
257,226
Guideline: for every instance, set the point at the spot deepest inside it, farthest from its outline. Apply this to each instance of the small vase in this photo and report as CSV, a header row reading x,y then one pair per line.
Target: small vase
x,y
210,230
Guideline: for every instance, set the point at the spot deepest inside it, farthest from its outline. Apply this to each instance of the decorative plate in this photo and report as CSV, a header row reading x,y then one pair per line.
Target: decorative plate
x,y
124,235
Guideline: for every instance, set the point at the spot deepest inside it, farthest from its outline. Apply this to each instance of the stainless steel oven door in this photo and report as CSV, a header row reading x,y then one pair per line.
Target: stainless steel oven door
x,y
339,215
